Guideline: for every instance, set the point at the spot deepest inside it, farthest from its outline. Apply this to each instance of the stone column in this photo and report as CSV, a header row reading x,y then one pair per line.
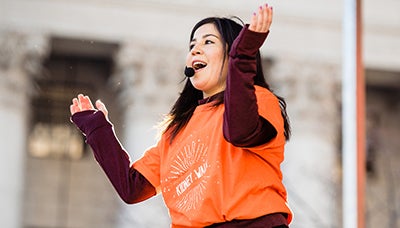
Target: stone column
x,y
311,167
147,78
20,58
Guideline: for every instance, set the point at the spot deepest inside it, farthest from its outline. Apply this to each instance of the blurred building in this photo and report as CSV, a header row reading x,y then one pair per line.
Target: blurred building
x,y
131,55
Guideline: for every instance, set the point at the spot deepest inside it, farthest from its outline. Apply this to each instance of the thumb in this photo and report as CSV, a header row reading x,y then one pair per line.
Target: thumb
x,y
100,106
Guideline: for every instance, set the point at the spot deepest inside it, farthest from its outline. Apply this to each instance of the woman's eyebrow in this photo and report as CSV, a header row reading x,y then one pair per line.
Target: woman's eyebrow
x,y
205,36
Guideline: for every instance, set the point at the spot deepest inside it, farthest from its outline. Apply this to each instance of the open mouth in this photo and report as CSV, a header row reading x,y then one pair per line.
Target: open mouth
x,y
199,65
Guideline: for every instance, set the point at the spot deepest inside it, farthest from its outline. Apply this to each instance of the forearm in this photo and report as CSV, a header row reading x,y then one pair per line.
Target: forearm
x,y
128,182
243,126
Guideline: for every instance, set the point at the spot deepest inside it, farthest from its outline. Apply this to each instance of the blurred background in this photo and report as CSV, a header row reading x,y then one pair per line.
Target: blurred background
x,y
131,55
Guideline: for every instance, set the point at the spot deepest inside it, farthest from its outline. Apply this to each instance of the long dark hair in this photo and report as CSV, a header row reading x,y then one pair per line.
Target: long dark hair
x,y
183,109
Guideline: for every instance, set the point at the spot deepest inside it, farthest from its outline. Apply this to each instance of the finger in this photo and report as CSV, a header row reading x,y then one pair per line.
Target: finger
x,y
79,99
74,107
84,102
270,16
100,106
88,103
260,19
253,22
265,23
75,102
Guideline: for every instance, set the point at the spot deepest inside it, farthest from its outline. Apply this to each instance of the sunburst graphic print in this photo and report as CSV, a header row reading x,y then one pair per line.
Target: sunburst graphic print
x,y
188,176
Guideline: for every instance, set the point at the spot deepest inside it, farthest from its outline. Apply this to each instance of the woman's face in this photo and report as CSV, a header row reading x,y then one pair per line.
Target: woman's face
x,y
208,58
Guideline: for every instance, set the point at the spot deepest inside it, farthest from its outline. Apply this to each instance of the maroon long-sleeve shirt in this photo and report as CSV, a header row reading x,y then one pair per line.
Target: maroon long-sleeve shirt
x,y
242,126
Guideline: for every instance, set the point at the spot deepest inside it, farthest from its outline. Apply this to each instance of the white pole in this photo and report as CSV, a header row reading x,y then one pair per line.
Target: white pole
x,y
349,115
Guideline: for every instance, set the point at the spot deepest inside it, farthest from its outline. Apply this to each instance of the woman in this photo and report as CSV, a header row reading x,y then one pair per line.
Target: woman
x,y
217,163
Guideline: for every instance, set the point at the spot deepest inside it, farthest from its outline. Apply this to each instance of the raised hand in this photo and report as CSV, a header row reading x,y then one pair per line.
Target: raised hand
x,y
261,21
83,103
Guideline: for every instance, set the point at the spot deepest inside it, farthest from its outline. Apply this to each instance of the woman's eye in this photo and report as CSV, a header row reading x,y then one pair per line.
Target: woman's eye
x,y
191,46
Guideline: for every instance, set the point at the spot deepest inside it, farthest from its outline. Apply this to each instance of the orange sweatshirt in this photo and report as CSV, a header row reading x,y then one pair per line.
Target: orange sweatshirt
x,y
205,180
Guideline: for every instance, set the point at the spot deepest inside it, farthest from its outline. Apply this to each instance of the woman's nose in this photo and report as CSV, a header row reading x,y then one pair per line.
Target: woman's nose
x,y
196,50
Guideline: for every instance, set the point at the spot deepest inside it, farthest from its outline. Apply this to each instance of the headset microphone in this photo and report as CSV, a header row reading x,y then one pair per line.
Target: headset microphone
x,y
189,72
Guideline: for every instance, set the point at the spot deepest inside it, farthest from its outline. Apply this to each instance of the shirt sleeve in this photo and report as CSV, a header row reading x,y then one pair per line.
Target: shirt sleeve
x,y
243,125
130,184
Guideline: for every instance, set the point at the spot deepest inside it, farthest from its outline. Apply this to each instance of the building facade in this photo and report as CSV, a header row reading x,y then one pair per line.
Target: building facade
x,y
131,55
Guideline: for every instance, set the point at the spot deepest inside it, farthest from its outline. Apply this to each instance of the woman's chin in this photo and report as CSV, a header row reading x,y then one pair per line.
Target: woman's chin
x,y
197,85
